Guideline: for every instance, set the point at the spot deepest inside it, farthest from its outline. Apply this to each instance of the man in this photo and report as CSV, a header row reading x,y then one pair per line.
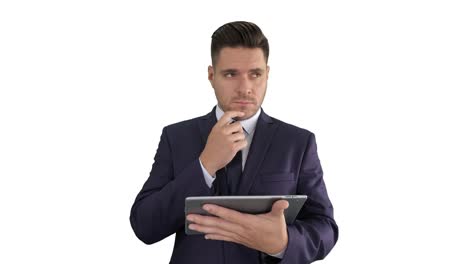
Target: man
x,y
237,149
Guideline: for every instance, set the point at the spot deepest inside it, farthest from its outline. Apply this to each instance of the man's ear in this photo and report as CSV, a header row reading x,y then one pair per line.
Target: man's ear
x,y
211,74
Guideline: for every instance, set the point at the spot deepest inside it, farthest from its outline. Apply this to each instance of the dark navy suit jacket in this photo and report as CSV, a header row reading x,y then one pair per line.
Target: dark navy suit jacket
x,y
282,160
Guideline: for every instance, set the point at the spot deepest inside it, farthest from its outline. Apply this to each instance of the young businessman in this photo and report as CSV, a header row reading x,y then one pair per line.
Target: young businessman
x,y
237,149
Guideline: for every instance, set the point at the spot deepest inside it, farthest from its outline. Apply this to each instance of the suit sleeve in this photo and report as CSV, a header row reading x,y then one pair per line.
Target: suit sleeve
x,y
314,233
158,210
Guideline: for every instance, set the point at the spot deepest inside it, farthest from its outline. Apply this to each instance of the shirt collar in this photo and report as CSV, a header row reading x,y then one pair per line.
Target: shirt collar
x,y
247,124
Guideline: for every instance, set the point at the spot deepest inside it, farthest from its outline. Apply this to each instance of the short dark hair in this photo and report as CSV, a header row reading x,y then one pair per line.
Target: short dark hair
x,y
238,34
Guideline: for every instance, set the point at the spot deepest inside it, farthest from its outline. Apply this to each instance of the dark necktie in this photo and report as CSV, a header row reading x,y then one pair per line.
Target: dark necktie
x,y
234,173
228,178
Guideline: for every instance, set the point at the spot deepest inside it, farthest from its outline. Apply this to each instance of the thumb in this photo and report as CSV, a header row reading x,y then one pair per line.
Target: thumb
x,y
279,207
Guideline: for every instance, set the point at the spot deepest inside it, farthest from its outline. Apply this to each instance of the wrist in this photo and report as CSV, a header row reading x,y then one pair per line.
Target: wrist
x,y
207,166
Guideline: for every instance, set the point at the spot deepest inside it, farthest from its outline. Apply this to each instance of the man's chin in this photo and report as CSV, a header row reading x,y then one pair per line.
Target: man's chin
x,y
247,110
247,114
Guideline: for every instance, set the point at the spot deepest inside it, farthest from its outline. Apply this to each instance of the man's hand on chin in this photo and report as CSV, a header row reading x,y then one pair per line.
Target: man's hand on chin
x,y
264,232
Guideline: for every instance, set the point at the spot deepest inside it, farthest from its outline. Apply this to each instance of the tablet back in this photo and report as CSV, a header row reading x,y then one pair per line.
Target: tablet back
x,y
245,204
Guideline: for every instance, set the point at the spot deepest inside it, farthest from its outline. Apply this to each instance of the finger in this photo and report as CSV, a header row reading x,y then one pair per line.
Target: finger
x,y
241,144
236,137
227,214
214,222
228,239
214,230
232,128
228,116
220,238
279,207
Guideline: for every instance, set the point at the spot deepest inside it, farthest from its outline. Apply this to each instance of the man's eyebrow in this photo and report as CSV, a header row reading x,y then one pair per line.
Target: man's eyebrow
x,y
229,71
257,70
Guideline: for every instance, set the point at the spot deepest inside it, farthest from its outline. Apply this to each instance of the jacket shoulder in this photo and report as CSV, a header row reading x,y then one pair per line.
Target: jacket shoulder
x,y
183,125
292,130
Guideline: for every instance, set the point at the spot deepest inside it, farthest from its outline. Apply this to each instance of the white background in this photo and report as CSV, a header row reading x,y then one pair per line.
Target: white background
x,y
87,86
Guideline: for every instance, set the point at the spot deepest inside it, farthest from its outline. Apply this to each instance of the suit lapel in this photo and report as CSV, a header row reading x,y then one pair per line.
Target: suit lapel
x,y
205,125
264,131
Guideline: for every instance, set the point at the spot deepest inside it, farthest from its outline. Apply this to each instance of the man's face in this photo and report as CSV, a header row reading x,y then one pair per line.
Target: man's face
x,y
239,79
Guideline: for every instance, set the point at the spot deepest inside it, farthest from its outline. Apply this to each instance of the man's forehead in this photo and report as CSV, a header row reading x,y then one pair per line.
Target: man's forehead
x,y
241,58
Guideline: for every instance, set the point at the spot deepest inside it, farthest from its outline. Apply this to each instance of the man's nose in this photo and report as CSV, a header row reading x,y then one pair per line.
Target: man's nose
x,y
245,85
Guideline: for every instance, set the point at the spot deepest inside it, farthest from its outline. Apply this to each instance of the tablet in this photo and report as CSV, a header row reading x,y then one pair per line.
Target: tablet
x,y
245,204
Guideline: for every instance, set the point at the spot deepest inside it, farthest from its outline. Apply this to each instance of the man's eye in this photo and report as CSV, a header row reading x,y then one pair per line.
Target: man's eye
x,y
229,75
256,75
